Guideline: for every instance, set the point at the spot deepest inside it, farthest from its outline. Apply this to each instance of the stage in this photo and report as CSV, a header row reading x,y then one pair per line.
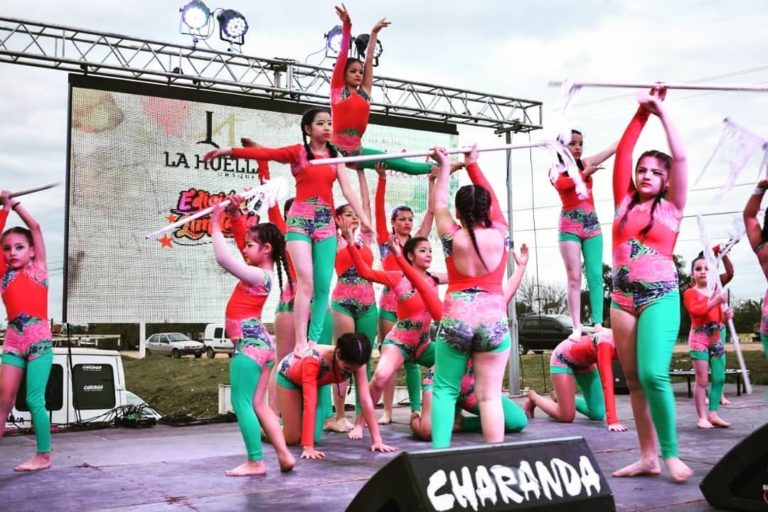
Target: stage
x,y
182,468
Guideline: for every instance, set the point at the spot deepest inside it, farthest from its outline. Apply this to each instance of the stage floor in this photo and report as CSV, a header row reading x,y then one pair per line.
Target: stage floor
x,y
182,468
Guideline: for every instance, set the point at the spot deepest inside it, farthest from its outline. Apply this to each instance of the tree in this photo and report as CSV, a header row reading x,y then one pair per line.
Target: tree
x,y
533,297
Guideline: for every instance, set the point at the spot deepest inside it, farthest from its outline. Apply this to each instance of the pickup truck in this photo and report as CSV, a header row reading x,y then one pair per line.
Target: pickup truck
x,y
544,332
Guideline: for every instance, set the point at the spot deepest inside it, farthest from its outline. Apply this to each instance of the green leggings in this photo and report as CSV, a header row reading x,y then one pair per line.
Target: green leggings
x,y
323,260
592,252
450,366
764,340
591,403
244,375
396,164
657,329
324,400
716,359
37,372
515,419
413,383
366,323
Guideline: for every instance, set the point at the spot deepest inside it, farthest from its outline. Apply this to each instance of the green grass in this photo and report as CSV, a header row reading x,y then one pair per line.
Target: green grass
x,y
178,386
190,386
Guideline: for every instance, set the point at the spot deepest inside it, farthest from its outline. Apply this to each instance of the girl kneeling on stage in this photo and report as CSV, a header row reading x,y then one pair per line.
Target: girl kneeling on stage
x,y
298,380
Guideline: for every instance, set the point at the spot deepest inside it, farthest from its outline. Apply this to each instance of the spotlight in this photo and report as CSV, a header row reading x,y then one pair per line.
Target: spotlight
x,y
195,14
333,40
232,26
361,45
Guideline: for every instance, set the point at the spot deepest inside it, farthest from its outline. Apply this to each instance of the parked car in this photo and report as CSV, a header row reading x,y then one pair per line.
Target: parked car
x,y
173,344
216,341
544,332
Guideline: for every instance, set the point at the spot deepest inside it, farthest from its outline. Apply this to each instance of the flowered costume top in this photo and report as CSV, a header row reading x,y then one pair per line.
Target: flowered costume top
x,y
243,321
25,296
474,309
582,355
577,216
706,323
353,291
310,372
349,108
417,301
643,268
312,211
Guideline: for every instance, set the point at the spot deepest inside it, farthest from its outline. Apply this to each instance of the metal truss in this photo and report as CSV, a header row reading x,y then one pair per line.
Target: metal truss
x,y
119,56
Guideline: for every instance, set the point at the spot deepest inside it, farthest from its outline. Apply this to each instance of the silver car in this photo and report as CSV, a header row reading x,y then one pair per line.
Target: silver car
x,y
173,344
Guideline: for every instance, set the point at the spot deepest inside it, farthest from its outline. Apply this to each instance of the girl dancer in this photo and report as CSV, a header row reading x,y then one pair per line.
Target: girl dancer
x,y
351,84
24,287
758,240
311,232
254,350
706,343
588,364
299,378
353,300
645,310
474,323
417,303
579,233
401,224
515,419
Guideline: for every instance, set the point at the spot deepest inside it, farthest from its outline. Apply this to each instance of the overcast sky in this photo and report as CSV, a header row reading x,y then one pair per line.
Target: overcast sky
x,y
507,48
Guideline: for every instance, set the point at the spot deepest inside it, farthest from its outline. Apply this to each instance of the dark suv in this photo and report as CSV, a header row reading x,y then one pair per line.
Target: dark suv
x,y
544,332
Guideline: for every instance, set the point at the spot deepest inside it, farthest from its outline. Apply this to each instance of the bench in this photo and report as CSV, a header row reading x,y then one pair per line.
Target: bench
x,y
691,374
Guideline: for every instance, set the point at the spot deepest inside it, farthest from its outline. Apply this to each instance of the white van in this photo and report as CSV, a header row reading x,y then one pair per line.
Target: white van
x,y
86,384
216,341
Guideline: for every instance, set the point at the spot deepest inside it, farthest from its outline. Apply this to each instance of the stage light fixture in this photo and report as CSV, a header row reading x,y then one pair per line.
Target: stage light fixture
x,y
333,41
232,26
195,15
361,45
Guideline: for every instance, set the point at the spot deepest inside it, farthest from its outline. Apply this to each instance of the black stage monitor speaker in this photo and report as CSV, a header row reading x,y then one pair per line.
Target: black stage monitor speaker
x,y
555,475
740,480
54,391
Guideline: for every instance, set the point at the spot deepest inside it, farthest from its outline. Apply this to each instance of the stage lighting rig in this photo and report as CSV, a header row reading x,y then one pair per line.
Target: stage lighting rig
x,y
232,27
196,21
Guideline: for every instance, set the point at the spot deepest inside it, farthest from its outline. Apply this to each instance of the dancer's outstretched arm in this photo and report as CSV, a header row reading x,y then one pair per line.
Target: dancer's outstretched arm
x,y
367,84
238,268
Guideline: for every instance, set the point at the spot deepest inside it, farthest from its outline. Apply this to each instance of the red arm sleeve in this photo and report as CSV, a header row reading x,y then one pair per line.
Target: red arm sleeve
x,y
366,272
3,220
622,166
478,178
263,169
695,303
284,155
564,182
605,368
337,79
382,231
238,230
428,295
310,369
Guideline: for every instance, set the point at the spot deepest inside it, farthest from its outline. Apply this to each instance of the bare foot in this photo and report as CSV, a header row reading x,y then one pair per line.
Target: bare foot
x,y
386,418
704,423
356,432
678,470
575,335
725,401
642,467
598,327
529,407
335,425
249,468
37,463
717,421
287,461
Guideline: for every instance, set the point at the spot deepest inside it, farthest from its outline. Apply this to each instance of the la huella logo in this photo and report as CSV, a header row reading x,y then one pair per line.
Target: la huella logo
x,y
225,167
